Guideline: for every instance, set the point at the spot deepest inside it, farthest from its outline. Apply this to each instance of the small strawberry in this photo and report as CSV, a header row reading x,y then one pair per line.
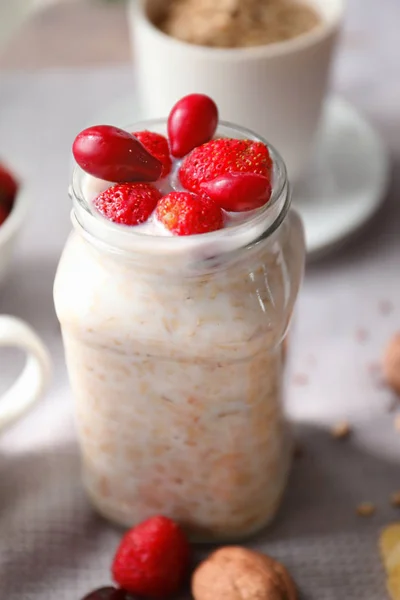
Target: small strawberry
x,y
8,188
157,145
152,559
128,203
113,154
221,156
238,192
192,122
184,213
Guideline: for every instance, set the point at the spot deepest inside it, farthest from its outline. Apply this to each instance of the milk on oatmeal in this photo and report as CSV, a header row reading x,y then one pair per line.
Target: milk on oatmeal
x,y
174,353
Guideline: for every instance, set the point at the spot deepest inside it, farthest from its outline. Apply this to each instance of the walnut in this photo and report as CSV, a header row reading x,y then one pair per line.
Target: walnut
x,y
234,573
341,431
391,363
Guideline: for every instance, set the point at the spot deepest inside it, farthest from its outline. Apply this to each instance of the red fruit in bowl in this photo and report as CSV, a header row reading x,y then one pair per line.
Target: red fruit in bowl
x,y
192,122
238,192
222,156
157,145
184,213
8,188
152,559
127,203
115,155
4,212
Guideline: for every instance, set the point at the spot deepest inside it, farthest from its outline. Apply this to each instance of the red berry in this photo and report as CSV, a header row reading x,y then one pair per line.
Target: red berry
x,y
128,203
238,192
192,122
114,155
8,188
152,559
221,156
4,212
157,145
108,593
184,213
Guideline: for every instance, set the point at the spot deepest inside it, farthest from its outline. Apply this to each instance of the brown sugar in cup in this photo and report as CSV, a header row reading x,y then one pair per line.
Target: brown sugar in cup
x,y
237,23
391,363
235,573
251,83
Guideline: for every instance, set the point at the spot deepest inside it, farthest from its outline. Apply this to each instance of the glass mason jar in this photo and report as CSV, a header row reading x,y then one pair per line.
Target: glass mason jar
x,y
174,351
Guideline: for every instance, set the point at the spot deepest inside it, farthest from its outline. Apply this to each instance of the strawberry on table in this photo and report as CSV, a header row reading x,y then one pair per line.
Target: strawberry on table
x,y
222,156
185,213
157,145
152,559
127,203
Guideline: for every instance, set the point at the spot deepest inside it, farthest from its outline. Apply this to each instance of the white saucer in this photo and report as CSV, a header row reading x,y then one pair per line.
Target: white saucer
x,y
346,181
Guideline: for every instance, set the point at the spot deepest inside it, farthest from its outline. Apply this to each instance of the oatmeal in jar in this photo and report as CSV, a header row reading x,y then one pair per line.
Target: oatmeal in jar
x,y
174,294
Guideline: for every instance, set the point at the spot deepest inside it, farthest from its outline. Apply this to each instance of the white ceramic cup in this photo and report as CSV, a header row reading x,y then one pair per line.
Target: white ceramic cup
x,y
276,90
35,377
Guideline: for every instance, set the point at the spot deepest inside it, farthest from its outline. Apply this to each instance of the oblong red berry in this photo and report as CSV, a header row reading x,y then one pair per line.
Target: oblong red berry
x,y
238,192
115,155
192,122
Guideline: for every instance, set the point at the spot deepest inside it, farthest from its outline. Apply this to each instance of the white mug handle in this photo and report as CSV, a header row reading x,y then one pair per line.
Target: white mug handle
x,y
35,377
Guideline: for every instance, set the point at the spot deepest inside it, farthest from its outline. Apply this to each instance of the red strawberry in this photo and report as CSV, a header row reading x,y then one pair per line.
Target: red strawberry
x,y
192,122
221,156
114,155
157,145
4,212
238,192
152,559
8,187
128,203
184,213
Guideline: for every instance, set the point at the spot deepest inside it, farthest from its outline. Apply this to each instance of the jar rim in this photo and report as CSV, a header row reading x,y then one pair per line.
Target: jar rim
x,y
124,239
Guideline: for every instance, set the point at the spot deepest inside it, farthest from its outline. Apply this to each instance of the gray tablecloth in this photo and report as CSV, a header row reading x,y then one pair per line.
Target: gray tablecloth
x,y
52,546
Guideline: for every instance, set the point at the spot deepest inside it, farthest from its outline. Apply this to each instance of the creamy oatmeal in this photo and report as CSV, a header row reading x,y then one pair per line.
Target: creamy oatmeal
x,y
174,353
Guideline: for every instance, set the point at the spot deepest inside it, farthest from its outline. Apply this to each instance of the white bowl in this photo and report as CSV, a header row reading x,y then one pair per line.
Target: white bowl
x,y
10,229
276,90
